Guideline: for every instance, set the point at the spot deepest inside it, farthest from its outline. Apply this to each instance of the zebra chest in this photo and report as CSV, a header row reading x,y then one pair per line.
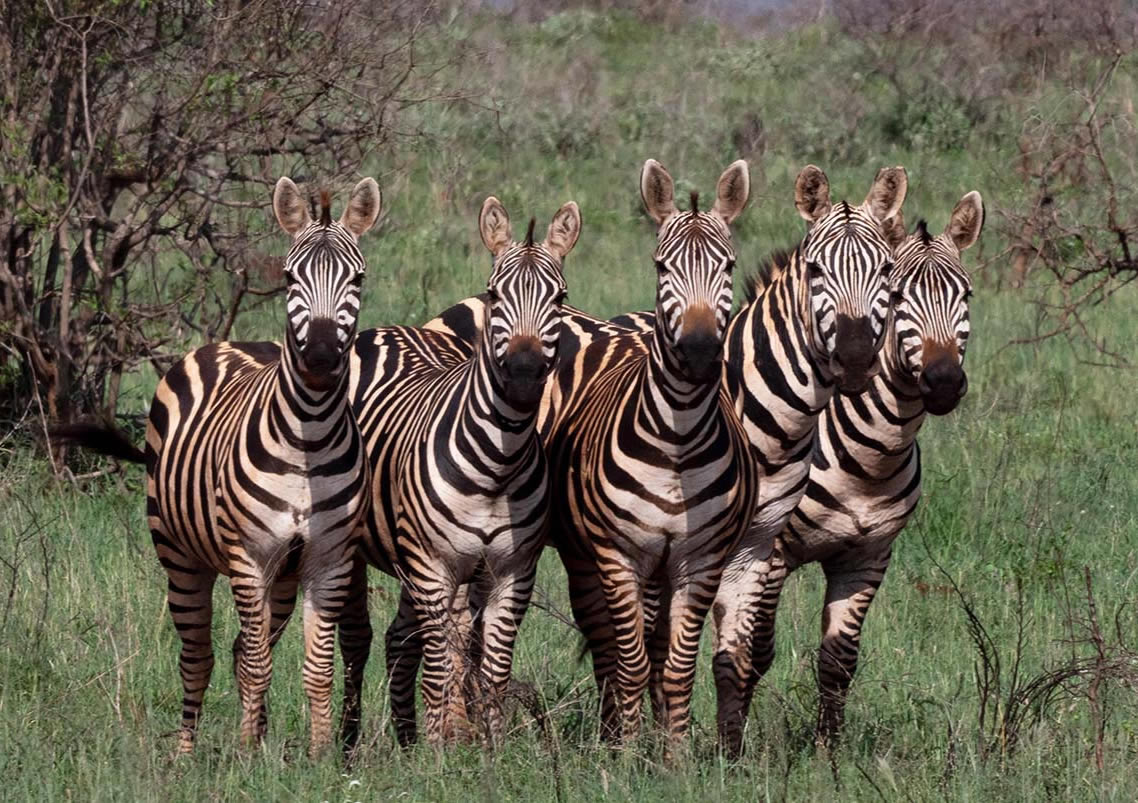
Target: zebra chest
x,y
285,507
848,515
657,509
469,520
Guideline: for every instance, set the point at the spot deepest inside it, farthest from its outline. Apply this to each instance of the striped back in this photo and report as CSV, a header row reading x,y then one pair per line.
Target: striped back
x,y
324,269
931,289
694,263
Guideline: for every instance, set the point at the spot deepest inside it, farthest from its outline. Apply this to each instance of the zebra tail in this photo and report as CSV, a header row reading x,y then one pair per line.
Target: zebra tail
x,y
102,438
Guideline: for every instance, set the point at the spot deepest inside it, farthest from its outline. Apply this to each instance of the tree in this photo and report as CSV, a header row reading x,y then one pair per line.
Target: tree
x,y
138,144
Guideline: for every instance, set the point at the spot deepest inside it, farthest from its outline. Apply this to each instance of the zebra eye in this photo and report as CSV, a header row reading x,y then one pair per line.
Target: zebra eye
x,y
730,266
968,294
814,270
886,269
559,299
896,297
661,268
492,294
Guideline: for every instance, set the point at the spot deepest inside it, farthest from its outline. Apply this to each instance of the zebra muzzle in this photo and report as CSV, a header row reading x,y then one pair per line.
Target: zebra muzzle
x,y
942,384
700,356
524,371
321,355
854,361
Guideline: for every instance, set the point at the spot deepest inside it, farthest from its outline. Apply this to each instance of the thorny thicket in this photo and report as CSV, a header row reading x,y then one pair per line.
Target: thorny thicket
x,y
138,146
1061,80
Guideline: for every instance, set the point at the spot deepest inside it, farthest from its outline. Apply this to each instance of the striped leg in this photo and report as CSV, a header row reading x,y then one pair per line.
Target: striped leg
x,y
190,600
282,601
735,609
849,593
590,611
762,645
254,661
445,641
321,612
657,603
690,602
502,616
355,636
404,652
626,611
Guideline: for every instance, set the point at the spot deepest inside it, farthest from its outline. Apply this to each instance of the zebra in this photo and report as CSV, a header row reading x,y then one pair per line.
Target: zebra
x,y
653,481
256,471
865,473
817,325
460,486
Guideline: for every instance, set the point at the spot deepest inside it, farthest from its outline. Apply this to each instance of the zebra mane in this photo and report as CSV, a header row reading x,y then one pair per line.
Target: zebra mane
x,y
325,208
923,231
768,270
529,233
694,202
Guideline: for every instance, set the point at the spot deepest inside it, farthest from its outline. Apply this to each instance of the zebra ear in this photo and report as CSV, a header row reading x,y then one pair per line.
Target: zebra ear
x,y
363,208
967,221
494,225
887,193
564,230
289,206
732,192
658,191
894,229
812,194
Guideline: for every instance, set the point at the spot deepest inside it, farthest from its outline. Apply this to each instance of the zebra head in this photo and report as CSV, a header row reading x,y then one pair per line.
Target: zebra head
x,y
847,260
525,293
931,289
324,270
694,262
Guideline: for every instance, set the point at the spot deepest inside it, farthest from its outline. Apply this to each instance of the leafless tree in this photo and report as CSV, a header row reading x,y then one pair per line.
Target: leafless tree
x,y
138,143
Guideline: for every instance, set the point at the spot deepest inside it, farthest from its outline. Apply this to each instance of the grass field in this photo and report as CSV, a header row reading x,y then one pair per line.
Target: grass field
x,y
1034,478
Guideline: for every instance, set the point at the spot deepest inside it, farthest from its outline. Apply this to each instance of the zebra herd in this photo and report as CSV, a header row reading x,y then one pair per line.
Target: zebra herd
x,y
682,462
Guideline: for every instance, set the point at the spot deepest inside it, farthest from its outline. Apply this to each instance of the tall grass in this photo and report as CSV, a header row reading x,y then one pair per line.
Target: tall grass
x,y
1034,477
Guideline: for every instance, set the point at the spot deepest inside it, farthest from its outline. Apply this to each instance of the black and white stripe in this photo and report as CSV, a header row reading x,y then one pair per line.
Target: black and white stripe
x,y
256,471
460,487
865,475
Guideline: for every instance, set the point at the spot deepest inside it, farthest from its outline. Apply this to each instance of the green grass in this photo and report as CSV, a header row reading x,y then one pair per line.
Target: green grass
x,y
1033,478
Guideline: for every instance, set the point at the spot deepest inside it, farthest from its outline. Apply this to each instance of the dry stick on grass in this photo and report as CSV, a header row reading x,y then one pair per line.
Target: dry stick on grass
x,y
1007,705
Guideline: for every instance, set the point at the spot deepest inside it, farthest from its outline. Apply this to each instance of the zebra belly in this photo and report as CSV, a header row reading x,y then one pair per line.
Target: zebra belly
x,y
863,521
779,495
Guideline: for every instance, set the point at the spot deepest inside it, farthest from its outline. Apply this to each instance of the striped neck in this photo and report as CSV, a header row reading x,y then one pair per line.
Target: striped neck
x,y
303,417
673,408
901,411
887,421
771,343
502,435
